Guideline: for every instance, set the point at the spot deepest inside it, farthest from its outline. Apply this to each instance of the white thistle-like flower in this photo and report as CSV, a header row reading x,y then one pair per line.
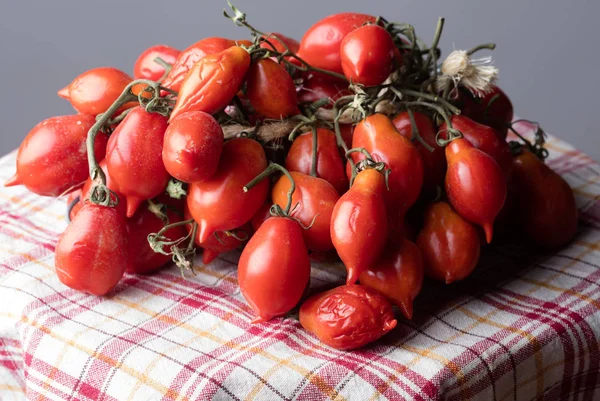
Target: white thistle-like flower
x,y
458,68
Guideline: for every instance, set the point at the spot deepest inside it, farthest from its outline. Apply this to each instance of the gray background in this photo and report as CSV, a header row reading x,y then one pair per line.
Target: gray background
x,y
547,50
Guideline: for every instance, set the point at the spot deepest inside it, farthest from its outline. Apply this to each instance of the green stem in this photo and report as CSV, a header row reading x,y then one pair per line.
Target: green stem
x,y
415,131
273,167
488,46
432,56
165,65
433,98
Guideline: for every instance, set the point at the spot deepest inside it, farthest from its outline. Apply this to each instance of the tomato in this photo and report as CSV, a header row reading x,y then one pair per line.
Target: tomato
x,y
94,91
449,244
212,82
134,160
379,136
475,184
320,46
497,114
85,190
330,165
274,43
434,163
262,215
398,275
192,146
274,268
347,317
545,203
312,203
52,159
359,223
271,90
347,132
190,56
74,203
316,88
91,254
485,139
367,55
220,203
145,66
141,259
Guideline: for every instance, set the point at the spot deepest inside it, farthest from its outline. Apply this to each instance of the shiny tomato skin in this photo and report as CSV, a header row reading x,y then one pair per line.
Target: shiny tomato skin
x,y
134,157
475,184
146,68
94,91
190,56
330,165
434,163
312,202
497,114
545,205
398,274
212,82
485,139
449,244
347,317
219,203
379,136
320,45
274,268
271,90
317,88
367,55
118,197
192,146
359,223
52,159
141,259
91,254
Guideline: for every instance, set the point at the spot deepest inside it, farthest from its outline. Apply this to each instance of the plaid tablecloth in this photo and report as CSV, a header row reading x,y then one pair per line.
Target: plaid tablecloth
x,y
526,325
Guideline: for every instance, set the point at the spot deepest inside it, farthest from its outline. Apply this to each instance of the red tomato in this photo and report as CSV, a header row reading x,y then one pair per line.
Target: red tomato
x,y
141,259
134,157
212,82
434,163
274,43
220,203
320,46
271,90
94,91
192,146
53,159
347,317
330,165
190,56
91,254
74,203
359,223
85,190
497,114
367,55
485,139
347,132
475,184
274,268
379,136
316,88
312,202
449,244
145,66
545,203
398,275
262,215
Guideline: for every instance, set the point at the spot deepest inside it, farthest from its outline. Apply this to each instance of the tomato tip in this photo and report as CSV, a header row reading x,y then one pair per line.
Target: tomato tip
x,y
12,181
64,92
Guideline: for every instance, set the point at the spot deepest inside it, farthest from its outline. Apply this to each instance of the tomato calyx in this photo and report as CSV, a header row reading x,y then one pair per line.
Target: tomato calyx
x,y
183,255
367,163
536,146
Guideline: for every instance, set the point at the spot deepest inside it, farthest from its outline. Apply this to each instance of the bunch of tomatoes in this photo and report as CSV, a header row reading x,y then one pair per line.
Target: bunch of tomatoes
x,y
340,145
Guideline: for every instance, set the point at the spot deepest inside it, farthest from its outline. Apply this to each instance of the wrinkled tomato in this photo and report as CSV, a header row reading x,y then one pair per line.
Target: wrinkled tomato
x,y
274,268
359,223
347,317
53,160
449,244
134,157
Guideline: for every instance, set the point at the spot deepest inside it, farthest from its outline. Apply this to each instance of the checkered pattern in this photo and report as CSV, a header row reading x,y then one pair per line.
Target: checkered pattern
x,y
526,325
